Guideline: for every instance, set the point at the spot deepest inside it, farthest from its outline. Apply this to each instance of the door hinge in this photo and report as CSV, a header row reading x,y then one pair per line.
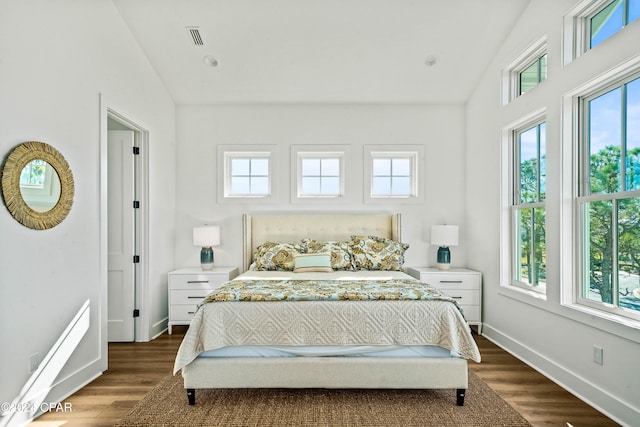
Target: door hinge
x,y
136,150
136,259
136,204
136,313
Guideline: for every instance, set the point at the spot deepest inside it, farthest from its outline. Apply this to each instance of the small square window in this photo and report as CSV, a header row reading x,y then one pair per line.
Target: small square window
x,y
320,174
393,174
247,174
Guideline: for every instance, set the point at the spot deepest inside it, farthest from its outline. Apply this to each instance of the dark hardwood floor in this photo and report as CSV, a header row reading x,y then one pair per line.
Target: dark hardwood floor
x,y
135,368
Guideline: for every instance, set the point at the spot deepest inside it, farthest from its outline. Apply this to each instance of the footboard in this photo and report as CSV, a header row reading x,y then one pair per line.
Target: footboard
x,y
327,372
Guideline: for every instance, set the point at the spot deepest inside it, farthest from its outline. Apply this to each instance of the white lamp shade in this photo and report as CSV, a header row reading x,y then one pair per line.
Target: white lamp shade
x,y
444,235
206,236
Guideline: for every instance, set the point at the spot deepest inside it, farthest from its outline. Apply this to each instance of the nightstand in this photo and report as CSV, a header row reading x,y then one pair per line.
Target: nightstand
x,y
460,283
189,286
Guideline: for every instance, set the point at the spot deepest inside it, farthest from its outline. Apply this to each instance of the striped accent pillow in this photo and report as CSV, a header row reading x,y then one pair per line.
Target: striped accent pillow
x,y
312,262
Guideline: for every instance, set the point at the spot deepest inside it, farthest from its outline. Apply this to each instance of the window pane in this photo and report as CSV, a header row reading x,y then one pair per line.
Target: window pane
x,y
382,167
240,185
606,23
259,186
543,160
380,186
240,167
599,253
605,133
401,167
260,167
539,247
330,167
310,185
531,258
634,10
330,186
524,258
311,167
629,253
528,141
401,186
529,77
633,136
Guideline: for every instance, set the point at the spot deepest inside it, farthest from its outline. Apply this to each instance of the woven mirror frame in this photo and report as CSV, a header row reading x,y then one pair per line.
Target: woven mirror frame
x,y
12,168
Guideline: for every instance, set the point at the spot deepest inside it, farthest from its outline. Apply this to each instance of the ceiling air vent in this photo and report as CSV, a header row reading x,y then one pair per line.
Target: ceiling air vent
x,y
196,37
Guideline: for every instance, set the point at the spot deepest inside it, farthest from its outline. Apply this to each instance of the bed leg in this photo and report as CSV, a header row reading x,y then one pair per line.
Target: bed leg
x,y
191,396
460,396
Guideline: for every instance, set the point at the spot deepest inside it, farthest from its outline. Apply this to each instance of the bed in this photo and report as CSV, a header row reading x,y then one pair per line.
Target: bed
x,y
325,338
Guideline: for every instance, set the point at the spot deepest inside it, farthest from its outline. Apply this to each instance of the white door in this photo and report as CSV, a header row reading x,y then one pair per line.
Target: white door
x,y
121,223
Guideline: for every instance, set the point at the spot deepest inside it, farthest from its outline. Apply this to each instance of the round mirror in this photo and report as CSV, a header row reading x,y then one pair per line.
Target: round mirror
x,y
40,185
37,185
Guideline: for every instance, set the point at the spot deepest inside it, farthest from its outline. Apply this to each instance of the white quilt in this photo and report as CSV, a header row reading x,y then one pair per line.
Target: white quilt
x,y
286,323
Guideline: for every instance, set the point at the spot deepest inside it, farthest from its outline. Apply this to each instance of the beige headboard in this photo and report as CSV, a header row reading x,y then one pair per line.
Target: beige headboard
x,y
284,227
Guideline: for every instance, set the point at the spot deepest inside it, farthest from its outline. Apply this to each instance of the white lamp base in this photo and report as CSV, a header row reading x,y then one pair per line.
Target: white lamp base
x,y
441,266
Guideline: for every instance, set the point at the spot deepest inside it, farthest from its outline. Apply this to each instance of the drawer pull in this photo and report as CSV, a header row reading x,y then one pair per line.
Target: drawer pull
x,y
197,281
191,312
195,297
456,297
450,281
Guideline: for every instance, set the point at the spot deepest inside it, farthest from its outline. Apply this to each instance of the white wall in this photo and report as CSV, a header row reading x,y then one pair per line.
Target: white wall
x,y
554,339
56,58
200,129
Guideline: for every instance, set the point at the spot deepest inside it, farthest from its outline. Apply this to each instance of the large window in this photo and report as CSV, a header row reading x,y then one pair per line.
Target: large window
x,y
528,265
609,199
612,18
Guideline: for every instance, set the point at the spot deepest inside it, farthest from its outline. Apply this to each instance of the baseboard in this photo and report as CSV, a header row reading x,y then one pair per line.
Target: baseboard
x,y
579,386
71,384
159,328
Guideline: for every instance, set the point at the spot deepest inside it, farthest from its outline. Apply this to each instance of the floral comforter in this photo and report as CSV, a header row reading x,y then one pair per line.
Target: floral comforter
x,y
326,290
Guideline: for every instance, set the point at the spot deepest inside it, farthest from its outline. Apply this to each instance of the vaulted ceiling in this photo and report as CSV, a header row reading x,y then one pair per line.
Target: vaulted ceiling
x,y
320,51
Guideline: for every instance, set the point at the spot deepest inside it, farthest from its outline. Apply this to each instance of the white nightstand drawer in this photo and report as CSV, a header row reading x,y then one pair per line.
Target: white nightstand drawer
x,y
196,281
189,296
451,281
182,313
464,296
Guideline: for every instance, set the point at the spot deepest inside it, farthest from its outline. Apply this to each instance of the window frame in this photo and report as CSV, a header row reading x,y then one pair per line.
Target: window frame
x,y
511,72
577,28
415,153
574,128
510,167
300,156
584,196
226,153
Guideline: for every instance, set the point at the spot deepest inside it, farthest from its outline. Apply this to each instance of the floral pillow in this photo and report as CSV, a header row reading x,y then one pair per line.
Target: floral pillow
x,y
340,252
275,256
377,253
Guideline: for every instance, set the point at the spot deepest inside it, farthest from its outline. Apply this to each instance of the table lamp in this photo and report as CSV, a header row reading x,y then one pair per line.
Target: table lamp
x,y
444,236
206,237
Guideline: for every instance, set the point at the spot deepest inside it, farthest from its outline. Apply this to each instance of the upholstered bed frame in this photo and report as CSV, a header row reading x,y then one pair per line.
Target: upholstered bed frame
x,y
323,372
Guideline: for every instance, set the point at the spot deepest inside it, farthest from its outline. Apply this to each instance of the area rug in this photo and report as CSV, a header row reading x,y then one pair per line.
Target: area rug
x,y
166,405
